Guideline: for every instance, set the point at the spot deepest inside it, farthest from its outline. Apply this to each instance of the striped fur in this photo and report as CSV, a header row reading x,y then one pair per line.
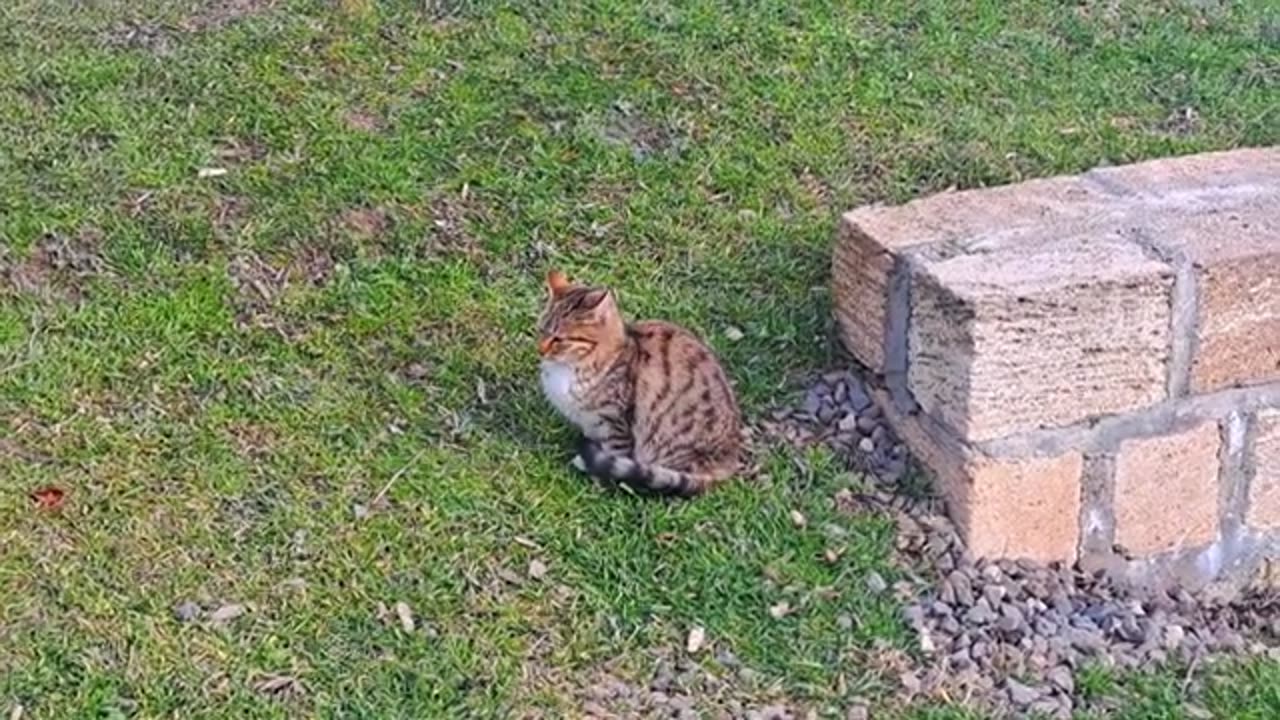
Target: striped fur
x,y
655,408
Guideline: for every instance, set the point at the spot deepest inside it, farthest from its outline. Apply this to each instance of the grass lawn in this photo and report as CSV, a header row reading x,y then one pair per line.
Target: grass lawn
x,y
265,259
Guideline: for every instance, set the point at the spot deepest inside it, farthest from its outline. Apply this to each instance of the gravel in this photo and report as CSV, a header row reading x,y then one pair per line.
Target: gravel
x,y
1010,635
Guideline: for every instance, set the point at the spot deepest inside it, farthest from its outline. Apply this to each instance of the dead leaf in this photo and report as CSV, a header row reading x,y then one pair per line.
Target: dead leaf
x,y
832,555
277,684
781,610
295,583
211,172
510,577
697,636
798,519
405,613
49,497
733,334
537,569
16,712
519,540
227,613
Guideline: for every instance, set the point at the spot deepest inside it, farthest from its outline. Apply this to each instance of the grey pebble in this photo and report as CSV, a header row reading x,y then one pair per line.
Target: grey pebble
x,y
914,616
1045,627
826,413
949,625
186,612
876,583
980,614
867,424
1021,695
947,592
1062,679
857,712
1046,707
813,402
840,393
858,398
1011,624
962,587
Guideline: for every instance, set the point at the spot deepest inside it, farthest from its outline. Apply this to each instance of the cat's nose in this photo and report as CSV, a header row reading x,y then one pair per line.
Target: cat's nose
x,y
544,345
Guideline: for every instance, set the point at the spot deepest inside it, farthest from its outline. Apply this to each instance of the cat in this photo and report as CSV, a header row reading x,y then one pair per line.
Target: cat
x,y
656,410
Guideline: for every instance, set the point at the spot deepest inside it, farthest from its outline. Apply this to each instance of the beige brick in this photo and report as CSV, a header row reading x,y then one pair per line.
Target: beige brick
x,y
1166,491
1213,176
1028,507
1004,508
860,285
870,238
1224,214
1039,334
1235,253
1264,490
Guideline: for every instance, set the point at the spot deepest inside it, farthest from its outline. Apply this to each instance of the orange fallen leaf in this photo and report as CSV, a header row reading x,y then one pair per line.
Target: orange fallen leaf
x,y
48,497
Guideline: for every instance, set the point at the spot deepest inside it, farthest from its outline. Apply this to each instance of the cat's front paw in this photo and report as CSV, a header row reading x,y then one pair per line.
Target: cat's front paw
x,y
578,463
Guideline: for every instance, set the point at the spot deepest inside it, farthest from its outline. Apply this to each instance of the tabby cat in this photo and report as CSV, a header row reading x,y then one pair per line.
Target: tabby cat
x,y
655,409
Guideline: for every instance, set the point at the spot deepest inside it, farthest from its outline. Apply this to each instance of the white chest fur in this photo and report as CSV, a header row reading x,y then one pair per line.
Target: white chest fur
x,y
558,381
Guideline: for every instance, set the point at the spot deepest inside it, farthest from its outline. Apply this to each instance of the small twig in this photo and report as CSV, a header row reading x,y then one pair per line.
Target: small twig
x,y
385,488
1191,669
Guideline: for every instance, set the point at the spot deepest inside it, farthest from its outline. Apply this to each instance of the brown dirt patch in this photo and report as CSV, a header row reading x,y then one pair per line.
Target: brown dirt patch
x,y
217,14
365,223
818,191
228,214
59,267
1181,122
161,39
448,220
259,285
235,150
313,265
151,37
252,441
449,234
362,121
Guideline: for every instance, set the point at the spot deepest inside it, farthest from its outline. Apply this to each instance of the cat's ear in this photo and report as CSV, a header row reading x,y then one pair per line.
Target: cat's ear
x,y
600,301
557,283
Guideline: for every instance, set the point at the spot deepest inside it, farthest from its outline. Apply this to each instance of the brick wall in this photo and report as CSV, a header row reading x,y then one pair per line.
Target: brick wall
x,y
1089,365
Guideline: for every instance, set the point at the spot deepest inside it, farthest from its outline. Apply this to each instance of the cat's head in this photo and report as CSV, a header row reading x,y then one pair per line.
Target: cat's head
x,y
578,321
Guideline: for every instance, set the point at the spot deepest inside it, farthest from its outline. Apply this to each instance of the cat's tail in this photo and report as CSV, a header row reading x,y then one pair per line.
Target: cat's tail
x,y
650,479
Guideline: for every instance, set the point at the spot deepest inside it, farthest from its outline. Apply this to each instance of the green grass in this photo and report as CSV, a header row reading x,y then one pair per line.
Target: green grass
x,y
424,163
